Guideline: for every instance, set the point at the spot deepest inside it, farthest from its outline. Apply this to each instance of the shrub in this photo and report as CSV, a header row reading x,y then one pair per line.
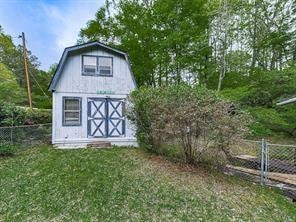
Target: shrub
x,y
288,113
38,116
197,119
10,114
271,121
7,149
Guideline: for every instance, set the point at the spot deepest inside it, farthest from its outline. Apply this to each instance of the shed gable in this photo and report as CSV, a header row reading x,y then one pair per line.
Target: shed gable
x,y
70,75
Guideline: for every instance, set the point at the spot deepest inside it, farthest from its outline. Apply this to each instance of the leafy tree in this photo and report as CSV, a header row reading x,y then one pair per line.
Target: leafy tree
x,y
259,35
9,88
167,41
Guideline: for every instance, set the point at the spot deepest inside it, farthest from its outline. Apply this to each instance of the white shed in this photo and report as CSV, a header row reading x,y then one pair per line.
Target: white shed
x,y
89,91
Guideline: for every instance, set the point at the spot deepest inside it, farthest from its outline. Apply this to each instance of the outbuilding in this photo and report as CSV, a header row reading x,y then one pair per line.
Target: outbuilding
x,y
89,93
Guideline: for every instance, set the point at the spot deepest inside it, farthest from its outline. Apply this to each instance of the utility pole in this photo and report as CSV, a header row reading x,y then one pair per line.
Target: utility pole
x,y
26,69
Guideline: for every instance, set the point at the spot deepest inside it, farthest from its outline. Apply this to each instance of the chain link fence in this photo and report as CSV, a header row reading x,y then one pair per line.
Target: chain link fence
x,y
282,158
280,165
246,160
268,163
26,136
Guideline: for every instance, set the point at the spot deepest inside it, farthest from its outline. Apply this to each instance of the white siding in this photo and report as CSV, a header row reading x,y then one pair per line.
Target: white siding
x,y
72,79
73,84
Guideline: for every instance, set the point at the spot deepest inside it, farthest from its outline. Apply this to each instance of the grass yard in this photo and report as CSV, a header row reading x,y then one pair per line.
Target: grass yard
x,y
43,184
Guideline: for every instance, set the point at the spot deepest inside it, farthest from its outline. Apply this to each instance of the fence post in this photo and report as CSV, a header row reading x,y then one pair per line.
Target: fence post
x,y
11,129
11,136
262,161
266,161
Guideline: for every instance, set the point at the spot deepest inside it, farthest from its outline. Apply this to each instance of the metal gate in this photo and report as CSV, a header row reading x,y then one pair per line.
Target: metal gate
x,y
278,163
105,117
272,163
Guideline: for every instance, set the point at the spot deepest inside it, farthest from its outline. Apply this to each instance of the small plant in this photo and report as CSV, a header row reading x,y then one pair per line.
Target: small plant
x,y
7,149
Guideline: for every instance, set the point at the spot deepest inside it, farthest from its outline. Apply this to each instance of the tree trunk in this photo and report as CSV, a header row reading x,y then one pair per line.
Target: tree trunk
x,y
254,37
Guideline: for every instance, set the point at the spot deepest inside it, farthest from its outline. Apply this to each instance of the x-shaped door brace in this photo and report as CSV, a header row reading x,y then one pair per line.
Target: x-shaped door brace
x,y
115,109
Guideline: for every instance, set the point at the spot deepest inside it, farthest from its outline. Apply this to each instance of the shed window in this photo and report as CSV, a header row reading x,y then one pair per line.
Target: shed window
x,y
72,111
105,65
97,65
89,64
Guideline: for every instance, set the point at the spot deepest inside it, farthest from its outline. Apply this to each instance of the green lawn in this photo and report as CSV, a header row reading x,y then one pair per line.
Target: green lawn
x,y
43,184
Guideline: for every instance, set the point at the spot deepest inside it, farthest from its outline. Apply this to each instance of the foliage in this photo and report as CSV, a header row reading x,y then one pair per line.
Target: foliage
x,y
127,185
270,85
288,113
260,99
198,41
268,121
12,115
7,149
165,39
9,88
193,117
13,78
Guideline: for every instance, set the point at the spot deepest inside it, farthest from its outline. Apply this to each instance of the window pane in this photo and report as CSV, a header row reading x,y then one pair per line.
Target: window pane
x,y
104,61
105,70
72,118
89,69
105,65
72,104
89,64
72,115
90,60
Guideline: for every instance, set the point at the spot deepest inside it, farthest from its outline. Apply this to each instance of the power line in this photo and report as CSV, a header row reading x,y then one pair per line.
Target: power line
x,y
39,85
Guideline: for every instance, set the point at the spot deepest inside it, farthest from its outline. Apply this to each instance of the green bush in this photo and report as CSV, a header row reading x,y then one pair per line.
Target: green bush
x,y
288,113
191,118
10,114
7,149
260,95
236,94
263,88
273,122
39,116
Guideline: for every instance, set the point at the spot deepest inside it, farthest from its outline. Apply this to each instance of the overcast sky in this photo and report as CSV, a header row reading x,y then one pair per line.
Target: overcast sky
x,y
49,25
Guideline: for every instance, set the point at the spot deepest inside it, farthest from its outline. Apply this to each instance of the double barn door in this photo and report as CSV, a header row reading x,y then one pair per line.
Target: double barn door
x,y
105,117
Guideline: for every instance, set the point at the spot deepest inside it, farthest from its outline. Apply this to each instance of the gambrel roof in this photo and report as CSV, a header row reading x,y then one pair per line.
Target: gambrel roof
x,y
71,49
